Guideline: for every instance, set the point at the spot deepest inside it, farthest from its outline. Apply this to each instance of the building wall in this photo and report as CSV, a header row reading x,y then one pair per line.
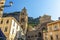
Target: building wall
x,y
39,28
5,25
53,32
45,18
10,27
34,35
15,31
2,2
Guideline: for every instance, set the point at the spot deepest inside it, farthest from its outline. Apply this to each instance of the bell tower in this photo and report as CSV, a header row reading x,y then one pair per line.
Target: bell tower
x,y
24,20
2,2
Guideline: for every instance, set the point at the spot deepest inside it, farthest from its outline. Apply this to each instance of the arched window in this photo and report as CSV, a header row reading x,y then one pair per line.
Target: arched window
x,y
22,20
56,37
6,28
7,21
39,34
22,26
22,13
44,29
56,27
51,37
1,21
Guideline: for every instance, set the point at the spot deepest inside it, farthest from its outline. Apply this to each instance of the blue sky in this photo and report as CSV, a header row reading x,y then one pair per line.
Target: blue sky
x,y
36,8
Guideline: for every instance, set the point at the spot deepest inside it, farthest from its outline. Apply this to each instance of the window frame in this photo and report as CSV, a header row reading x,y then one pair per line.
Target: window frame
x,y
6,28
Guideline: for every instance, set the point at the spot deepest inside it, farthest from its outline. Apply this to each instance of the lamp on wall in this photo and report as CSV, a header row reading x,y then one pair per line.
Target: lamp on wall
x,y
10,4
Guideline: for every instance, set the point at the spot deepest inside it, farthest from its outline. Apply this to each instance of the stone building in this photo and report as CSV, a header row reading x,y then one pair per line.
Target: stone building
x,y
39,29
2,2
53,32
45,18
34,35
10,27
21,19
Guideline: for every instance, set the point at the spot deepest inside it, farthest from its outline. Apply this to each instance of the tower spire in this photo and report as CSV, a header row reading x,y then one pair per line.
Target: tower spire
x,y
24,11
24,8
24,20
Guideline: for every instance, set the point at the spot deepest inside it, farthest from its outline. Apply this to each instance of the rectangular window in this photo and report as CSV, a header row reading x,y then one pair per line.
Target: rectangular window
x,y
0,27
56,28
51,37
28,36
14,24
12,31
1,21
35,35
46,38
1,9
7,21
5,29
17,27
56,37
50,28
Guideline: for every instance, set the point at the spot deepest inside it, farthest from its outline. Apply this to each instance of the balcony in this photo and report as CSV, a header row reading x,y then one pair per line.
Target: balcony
x,y
56,29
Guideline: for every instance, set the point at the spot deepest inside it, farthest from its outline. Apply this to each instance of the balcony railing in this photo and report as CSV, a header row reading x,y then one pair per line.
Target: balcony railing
x,y
56,29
